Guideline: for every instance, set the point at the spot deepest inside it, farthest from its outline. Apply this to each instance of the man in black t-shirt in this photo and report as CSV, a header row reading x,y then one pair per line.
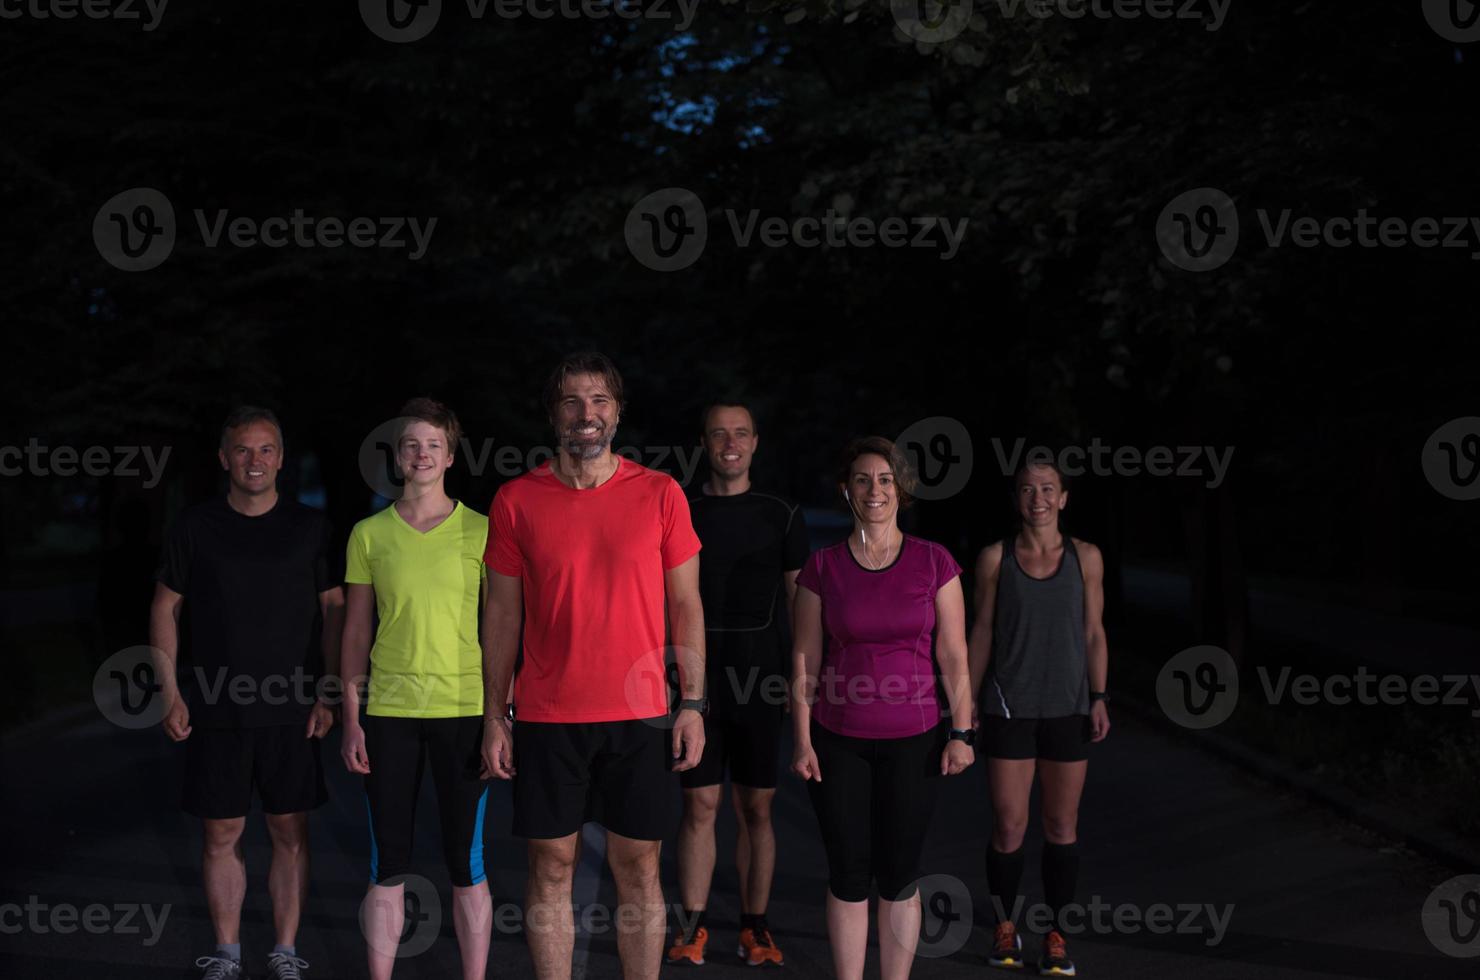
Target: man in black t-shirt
x,y
754,545
262,614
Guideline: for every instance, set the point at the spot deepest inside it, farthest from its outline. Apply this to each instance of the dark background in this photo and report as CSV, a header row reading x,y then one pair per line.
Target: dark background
x,y
1058,322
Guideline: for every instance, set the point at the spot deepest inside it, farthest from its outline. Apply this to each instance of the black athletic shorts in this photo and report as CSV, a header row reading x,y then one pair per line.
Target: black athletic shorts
x,y
224,765
399,749
617,773
746,740
1063,739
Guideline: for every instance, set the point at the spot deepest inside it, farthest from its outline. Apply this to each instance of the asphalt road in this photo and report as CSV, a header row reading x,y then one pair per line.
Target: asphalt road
x,y
1250,882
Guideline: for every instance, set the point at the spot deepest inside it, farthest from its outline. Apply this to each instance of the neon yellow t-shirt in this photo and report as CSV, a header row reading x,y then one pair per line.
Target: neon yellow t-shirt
x,y
426,662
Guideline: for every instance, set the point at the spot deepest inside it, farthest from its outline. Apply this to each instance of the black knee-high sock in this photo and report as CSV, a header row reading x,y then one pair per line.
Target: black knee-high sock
x,y
1060,876
1004,881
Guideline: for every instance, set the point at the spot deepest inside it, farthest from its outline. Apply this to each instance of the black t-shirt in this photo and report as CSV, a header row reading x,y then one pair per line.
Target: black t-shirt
x,y
750,539
250,622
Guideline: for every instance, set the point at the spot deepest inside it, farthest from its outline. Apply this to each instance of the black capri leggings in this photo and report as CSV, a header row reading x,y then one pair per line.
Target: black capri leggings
x,y
399,750
874,806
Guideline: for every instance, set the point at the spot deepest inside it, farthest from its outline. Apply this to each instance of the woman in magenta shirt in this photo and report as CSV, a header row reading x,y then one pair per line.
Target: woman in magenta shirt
x,y
869,736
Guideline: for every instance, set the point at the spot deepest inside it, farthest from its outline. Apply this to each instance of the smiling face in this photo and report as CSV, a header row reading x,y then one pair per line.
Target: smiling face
x,y
730,440
872,494
585,416
423,454
1040,496
251,455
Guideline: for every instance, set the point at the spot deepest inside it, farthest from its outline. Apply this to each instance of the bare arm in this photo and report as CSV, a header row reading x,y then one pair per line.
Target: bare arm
x,y
950,650
806,661
164,637
988,567
354,652
1097,651
503,614
686,624
791,587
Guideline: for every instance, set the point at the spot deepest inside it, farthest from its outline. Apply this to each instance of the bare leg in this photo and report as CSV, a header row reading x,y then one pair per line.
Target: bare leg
x,y
549,921
899,935
696,846
640,918
472,918
383,917
1011,787
847,928
759,839
224,871
1063,785
287,880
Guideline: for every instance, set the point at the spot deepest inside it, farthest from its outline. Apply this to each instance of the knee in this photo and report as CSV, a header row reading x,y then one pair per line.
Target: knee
x,y
288,836
223,836
1009,830
638,870
1060,829
755,813
548,867
700,809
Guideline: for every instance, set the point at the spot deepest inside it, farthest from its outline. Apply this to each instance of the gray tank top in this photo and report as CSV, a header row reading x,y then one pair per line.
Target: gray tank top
x,y
1038,661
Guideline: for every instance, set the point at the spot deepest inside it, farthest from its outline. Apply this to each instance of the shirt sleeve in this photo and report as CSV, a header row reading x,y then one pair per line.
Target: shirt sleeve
x,y
796,548
946,567
811,574
680,542
357,557
502,553
174,564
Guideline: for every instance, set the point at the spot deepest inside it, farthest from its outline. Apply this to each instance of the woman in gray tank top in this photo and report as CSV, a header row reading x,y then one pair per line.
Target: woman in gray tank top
x,y
1039,661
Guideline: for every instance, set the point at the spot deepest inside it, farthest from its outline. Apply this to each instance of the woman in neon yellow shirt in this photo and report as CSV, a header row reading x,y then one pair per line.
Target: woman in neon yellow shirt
x,y
419,564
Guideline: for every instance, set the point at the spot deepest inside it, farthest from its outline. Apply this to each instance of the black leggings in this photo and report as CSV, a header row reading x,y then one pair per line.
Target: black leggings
x,y
399,749
874,806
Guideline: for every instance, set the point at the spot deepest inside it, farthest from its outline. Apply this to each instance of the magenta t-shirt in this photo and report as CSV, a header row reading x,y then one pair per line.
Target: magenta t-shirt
x,y
878,675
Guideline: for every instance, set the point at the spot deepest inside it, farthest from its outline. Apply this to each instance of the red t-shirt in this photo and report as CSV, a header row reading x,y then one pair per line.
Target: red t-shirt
x,y
592,564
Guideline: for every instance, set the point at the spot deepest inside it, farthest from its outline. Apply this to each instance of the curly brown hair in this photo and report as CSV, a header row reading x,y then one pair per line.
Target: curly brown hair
x,y
904,474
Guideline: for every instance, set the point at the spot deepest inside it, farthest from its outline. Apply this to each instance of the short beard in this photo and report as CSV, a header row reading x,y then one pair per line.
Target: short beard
x,y
584,451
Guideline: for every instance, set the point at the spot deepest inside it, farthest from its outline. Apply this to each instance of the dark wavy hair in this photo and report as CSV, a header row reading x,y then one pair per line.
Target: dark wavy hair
x,y
904,475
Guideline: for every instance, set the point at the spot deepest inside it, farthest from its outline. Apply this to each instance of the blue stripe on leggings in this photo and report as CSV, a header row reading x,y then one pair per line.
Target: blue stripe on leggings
x,y
374,851
475,853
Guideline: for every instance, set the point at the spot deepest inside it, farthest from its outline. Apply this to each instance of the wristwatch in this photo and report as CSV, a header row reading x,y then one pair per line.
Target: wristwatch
x,y
967,735
700,705
1099,696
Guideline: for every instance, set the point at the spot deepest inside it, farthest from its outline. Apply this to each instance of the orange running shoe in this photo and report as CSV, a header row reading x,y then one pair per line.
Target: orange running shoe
x,y
1055,960
757,948
690,953
1007,948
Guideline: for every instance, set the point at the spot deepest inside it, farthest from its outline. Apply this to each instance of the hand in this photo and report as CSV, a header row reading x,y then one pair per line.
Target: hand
x,y
957,757
804,763
320,720
688,739
352,748
1099,721
498,750
177,720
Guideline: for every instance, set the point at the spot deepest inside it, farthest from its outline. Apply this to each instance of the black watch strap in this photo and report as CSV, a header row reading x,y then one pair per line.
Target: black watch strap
x,y
700,705
1099,696
967,735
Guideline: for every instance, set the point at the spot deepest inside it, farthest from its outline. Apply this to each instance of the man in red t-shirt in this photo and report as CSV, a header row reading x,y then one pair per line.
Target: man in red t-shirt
x,y
587,553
